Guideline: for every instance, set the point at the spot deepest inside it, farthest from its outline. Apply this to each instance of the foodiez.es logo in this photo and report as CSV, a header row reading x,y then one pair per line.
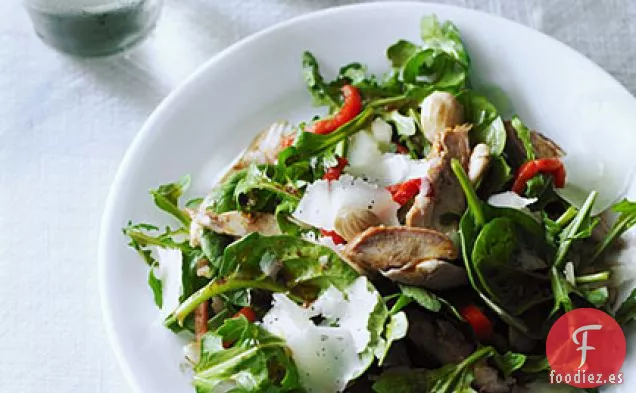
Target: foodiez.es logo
x,y
586,349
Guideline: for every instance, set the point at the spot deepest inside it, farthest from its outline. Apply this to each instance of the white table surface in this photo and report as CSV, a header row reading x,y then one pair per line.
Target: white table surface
x,y
65,123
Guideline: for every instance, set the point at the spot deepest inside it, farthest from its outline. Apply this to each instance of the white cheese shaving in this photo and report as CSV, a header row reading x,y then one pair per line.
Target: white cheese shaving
x,y
170,273
511,200
327,355
323,199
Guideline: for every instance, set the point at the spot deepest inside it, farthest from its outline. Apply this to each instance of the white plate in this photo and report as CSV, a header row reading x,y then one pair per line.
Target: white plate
x,y
202,125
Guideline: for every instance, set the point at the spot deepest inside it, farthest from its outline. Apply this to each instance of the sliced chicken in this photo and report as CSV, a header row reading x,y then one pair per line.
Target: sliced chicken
x,y
264,148
415,256
441,205
233,223
479,163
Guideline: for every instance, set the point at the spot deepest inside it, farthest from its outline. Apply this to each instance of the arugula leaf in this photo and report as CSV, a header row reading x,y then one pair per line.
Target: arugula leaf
x,y
400,52
354,73
523,133
457,378
308,145
212,245
320,91
303,269
155,285
626,220
259,189
580,224
444,37
166,197
255,362
434,69
488,127
627,311
222,197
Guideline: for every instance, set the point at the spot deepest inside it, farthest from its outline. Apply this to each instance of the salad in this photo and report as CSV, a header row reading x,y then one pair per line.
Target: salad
x,y
412,240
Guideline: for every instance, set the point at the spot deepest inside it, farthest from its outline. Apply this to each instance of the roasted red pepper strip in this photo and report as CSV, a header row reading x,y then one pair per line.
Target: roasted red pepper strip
x,y
478,321
333,235
550,166
247,312
334,172
404,192
350,108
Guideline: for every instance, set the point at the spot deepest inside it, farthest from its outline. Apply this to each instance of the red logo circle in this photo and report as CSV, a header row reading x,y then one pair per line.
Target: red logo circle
x,y
586,349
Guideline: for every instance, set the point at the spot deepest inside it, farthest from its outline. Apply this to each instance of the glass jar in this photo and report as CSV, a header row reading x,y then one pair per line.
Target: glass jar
x,y
93,27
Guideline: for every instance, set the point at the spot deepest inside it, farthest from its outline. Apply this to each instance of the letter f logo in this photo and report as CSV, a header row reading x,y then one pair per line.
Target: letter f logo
x,y
584,347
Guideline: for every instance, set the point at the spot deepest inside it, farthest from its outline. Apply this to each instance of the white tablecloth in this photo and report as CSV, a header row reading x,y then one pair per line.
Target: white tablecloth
x,y
65,124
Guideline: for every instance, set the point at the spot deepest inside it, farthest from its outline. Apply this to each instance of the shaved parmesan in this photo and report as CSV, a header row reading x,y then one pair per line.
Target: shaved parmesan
x,y
323,199
170,273
327,355
511,200
367,157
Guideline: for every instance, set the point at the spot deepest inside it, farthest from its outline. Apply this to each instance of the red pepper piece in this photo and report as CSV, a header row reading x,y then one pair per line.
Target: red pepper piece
x,y
550,166
401,149
333,235
478,321
350,108
404,192
334,172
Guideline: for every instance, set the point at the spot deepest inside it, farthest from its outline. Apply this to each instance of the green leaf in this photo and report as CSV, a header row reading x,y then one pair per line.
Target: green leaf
x,y
405,125
354,73
259,189
626,220
255,362
222,197
283,213
319,89
423,297
488,127
396,330
580,222
400,52
302,269
213,244
499,174
627,311
434,70
167,196
155,285
535,364
457,378
443,37
523,133
509,362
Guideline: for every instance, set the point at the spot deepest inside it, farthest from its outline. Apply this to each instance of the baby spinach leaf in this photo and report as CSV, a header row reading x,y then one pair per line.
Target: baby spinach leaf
x,y
395,330
509,362
488,127
255,362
